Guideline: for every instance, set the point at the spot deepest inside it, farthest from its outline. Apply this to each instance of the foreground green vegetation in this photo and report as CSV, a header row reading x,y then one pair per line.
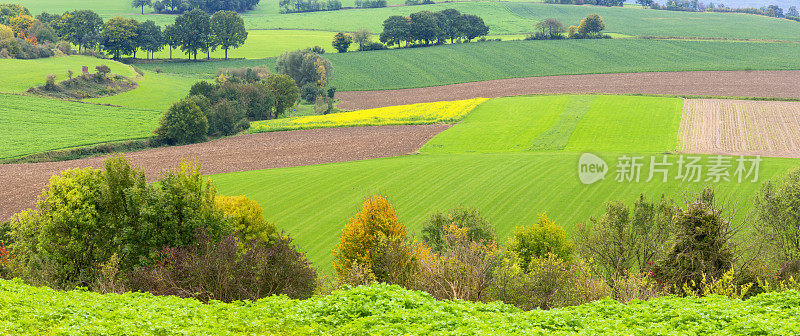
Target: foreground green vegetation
x,y
383,310
394,69
30,124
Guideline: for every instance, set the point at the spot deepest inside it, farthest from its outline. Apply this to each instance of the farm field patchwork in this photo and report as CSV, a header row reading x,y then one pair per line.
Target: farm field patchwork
x,y
741,127
416,114
459,63
19,75
381,310
511,186
31,125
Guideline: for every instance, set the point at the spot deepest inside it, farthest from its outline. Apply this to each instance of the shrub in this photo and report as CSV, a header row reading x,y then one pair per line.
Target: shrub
x,y
305,67
215,269
572,32
623,240
50,82
102,70
776,207
310,92
591,26
22,49
285,92
5,32
248,222
549,282
227,118
377,220
536,241
183,123
372,46
478,229
85,216
203,88
701,245
462,271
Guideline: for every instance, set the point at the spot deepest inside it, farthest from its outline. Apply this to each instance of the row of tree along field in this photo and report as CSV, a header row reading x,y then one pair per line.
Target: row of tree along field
x,y
109,230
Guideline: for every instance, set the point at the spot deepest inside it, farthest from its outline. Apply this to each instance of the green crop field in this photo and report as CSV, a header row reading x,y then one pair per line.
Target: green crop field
x,y
382,310
31,125
502,18
19,75
155,92
448,64
506,180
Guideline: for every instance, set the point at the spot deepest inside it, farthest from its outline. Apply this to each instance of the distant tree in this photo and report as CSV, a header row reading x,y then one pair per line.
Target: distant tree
x,y
424,27
774,11
572,32
20,25
228,30
591,25
10,10
171,38
285,91
80,27
183,123
647,3
450,22
550,27
792,12
341,42
194,30
159,6
119,36
305,67
46,17
141,3
362,37
396,29
473,27
150,38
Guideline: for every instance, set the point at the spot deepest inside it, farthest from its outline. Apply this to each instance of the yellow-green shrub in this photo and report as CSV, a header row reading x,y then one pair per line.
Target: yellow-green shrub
x,y
376,221
6,32
246,217
538,240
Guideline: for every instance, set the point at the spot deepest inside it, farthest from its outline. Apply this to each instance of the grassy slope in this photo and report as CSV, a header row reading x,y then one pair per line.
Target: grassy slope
x,y
421,67
30,125
19,75
382,310
510,188
268,43
155,92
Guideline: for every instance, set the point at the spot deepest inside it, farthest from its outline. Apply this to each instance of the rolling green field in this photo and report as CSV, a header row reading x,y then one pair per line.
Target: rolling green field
x,y
458,63
19,75
381,309
502,18
31,125
155,92
510,186
268,43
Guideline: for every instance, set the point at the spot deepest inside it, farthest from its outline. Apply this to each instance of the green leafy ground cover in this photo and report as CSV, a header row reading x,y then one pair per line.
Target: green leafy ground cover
x,y
31,124
448,64
499,175
383,310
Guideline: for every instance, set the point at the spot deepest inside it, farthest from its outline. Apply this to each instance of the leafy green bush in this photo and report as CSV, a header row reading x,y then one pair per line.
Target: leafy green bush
x,y
21,49
777,206
87,215
701,247
434,230
538,240
183,123
247,220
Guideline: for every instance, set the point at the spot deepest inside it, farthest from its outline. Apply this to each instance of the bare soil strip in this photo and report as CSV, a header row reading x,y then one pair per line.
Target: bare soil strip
x,y
761,84
736,127
21,183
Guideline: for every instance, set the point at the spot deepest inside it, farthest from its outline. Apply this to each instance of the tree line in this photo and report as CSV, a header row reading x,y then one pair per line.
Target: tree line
x,y
425,28
181,6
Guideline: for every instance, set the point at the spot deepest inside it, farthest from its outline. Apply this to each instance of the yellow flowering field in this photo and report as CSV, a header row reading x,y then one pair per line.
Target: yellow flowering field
x,y
415,114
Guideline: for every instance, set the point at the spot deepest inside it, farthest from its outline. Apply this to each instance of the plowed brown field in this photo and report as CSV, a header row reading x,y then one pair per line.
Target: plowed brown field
x,y
762,84
716,126
21,183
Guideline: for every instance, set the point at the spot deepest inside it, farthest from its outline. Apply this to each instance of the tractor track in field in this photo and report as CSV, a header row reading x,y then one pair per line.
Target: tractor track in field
x,y
20,184
760,84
